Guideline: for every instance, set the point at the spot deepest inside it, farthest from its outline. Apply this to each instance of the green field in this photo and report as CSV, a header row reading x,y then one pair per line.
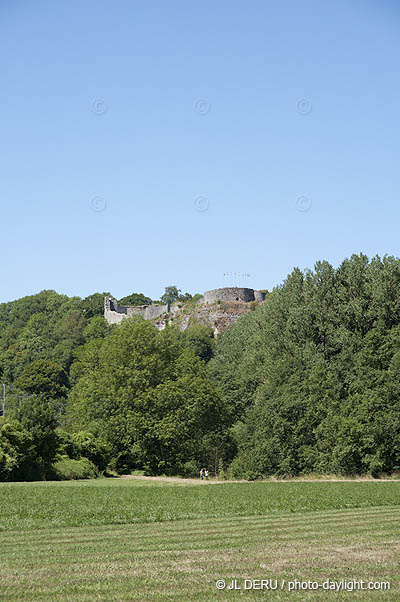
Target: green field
x,y
121,539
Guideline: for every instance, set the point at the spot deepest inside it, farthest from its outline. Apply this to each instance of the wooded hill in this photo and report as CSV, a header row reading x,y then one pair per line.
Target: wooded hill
x,y
307,382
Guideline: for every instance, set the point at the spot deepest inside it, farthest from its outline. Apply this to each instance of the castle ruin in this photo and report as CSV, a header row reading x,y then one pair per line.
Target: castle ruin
x,y
114,313
233,294
221,305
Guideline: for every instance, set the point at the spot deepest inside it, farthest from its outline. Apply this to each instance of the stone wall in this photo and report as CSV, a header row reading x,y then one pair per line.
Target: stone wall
x,y
155,311
219,308
114,313
135,310
259,296
229,294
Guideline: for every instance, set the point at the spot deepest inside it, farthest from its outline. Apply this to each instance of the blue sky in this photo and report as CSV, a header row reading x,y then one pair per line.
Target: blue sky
x,y
145,144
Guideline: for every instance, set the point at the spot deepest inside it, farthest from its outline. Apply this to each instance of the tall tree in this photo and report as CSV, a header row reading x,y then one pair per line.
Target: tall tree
x,y
312,374
172,294
147,393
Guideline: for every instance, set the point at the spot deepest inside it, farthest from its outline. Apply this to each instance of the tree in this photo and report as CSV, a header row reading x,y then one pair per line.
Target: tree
x,y
200,339
172,294
43,326
37,416
135,299
147,393
93,305
69,331
84,445
44,377
97,328
15,449
312,375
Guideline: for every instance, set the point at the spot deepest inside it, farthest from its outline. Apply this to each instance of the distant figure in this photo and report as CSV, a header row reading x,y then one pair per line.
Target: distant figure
x,y
201,474
206,474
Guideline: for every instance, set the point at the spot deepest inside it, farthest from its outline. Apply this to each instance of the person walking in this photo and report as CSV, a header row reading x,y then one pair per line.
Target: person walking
x,y
201,474
206,474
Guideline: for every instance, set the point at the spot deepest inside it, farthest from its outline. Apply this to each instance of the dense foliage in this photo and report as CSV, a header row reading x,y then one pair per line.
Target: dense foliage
x,y
148,394
46,326
307,382
40,337
135,299
32,447
313,375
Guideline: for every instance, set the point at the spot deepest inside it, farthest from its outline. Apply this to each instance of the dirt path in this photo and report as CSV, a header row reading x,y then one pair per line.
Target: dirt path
x,y
294,480
172,480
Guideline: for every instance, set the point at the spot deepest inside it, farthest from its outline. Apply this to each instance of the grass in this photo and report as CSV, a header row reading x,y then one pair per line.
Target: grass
x,y
122,539
124,501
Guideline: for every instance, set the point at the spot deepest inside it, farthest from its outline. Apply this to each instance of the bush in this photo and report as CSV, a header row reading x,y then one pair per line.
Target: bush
x,y
66,469
94,449
66,446
221,471
15,450
84,445
239,469
190,470
123,463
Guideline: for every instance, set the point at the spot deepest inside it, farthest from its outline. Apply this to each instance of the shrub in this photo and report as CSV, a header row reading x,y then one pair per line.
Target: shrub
x,y
221,471
84,445
66,469
90,447
66,445
123,463
190,469
239,469
15,449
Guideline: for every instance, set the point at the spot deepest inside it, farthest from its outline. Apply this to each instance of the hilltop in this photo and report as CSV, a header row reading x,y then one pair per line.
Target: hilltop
x,y
218,309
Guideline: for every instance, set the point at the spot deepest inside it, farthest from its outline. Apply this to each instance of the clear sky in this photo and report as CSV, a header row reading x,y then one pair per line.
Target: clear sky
x,y
146,144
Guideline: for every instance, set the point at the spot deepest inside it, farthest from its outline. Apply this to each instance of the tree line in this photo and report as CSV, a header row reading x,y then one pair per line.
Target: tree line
x,y
309,381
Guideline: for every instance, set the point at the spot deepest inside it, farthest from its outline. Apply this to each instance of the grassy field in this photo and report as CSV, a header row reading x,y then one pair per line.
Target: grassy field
x,y
121,539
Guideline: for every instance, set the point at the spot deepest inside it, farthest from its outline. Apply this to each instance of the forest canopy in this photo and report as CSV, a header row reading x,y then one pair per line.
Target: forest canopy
x,y
307,382
313,375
